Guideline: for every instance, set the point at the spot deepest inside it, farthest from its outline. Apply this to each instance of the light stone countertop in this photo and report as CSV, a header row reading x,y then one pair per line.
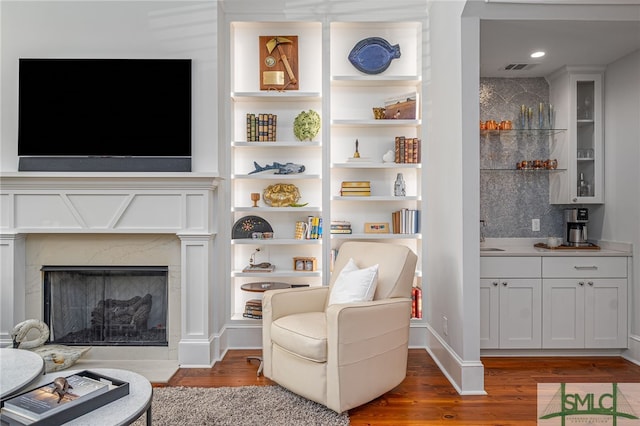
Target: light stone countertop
x,y
514,247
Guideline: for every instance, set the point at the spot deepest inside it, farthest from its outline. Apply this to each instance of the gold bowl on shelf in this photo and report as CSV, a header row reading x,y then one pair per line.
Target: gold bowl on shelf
x,y
281,194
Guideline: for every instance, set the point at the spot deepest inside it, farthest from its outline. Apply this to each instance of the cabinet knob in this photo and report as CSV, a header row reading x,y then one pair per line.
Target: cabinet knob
x,y
495,283
590,283
575,200
504,283
581,283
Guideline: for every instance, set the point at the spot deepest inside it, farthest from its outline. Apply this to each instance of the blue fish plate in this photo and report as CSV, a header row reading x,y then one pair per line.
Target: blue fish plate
x,y
373,55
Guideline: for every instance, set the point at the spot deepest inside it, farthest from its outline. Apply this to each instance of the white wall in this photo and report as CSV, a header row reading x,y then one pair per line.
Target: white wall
x,y
622,156
452,260
109,29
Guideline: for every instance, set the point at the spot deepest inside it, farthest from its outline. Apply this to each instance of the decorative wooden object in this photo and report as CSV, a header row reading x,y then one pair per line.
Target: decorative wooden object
x,y
304,264
279,62
376,228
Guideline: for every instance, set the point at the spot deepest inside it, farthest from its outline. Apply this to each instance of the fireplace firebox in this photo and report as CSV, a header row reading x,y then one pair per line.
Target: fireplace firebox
x,y
106,305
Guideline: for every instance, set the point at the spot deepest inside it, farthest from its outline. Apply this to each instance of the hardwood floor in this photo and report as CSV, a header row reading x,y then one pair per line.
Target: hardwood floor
x,y
426,397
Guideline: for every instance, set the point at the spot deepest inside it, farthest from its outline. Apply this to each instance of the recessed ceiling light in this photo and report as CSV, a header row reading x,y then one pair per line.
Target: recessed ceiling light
x,y
538,54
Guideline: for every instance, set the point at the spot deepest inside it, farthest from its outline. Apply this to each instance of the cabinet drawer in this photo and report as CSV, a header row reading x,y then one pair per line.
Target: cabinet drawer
x,y
584,267
510,267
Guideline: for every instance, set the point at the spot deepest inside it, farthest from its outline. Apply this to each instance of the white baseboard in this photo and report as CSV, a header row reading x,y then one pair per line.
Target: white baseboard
x,y
467,377
633,352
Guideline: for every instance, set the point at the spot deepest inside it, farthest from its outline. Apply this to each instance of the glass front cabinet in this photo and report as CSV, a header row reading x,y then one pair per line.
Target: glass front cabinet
x,y
577,94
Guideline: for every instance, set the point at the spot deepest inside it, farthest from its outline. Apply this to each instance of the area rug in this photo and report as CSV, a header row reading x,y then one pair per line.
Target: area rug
x,y
244,405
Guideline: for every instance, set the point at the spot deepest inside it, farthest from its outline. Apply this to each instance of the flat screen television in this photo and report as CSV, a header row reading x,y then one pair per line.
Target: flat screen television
x,y
104,115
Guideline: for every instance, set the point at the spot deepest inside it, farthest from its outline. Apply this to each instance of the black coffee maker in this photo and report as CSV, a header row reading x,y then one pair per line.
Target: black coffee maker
x,y
575,227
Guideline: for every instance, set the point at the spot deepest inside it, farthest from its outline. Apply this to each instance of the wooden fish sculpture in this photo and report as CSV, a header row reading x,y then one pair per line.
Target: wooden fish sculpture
x,y
373,55
60,387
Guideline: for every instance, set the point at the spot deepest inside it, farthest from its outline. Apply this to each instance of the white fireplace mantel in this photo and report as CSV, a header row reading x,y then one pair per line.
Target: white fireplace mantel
x,y
184,204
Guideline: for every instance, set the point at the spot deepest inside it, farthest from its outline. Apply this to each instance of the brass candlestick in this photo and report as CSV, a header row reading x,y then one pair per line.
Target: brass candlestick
x,y
356,154
255,197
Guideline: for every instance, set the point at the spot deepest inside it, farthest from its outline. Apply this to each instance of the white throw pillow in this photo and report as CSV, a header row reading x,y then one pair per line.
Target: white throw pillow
x,y
354,285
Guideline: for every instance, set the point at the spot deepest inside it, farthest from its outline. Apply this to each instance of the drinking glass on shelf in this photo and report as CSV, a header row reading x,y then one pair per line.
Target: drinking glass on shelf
x,y
587,107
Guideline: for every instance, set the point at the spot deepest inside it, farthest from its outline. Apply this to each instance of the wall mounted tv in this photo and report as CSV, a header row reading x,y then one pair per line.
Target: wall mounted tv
x,y
104,115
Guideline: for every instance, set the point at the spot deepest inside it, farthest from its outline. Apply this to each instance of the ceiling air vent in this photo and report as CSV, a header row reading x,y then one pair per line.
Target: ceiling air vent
x,y
518,67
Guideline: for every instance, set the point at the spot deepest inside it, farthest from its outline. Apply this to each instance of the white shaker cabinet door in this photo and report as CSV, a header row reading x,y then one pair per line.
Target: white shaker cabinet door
x,y
520,311
606,313
563,313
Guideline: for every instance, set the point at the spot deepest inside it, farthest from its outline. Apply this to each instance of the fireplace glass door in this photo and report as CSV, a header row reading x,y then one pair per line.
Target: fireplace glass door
x,y
106,305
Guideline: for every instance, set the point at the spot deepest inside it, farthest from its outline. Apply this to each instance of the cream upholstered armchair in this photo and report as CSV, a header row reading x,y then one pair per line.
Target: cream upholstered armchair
x,y
342,355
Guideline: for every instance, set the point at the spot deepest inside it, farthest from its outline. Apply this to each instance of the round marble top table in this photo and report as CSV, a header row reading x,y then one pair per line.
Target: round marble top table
x,y
122,411
18,368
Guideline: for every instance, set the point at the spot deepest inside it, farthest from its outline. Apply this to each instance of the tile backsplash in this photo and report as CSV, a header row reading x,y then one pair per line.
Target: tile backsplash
x,y
510,198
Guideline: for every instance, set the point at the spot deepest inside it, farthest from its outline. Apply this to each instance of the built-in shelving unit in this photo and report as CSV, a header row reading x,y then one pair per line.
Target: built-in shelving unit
x,y
344,97
353,96
245,97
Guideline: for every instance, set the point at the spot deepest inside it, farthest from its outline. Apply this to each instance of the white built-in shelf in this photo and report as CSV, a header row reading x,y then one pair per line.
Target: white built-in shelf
x,y
280,144
274,95
290,273
376,198
373,165
273,176
275,241
376,81
377,123
277,209
363,236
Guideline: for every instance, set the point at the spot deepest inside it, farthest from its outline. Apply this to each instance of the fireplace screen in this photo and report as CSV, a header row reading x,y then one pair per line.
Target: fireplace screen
x,y
106,305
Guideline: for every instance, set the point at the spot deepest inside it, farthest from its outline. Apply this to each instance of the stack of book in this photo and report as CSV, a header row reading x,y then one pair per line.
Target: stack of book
x,y
261,127
356,188
408,150
416,302
253,309
340,227
406,221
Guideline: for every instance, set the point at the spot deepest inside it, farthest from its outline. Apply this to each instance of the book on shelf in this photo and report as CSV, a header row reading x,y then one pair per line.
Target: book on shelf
x,y
348,189
342,231
356,184
43,401
347,226
314,228
416,302
406,221
253,309
355,193
408,150
340,227
262,127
